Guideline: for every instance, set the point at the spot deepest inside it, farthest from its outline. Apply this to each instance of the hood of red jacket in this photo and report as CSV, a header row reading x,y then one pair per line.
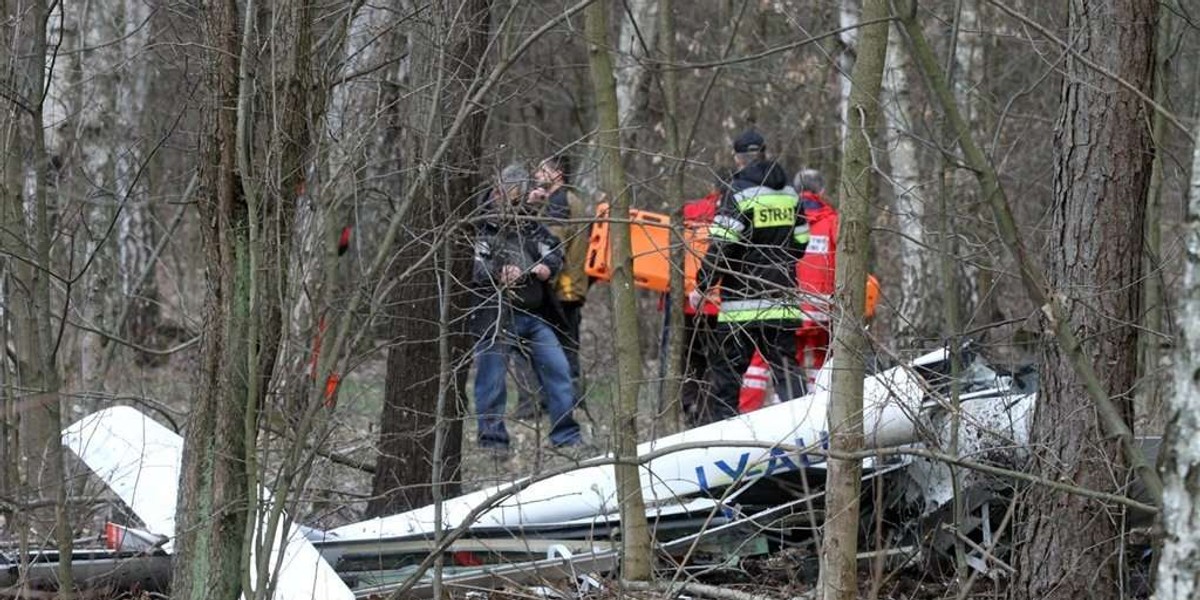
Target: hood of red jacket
x,y
816,207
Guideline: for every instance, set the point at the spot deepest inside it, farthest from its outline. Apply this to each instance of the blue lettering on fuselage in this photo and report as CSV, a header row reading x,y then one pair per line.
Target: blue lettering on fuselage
x,y
780,461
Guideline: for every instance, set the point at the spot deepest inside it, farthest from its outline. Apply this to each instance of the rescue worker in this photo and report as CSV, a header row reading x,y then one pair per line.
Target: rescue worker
x,y
516,260
756,238
815,275
699,324
565,211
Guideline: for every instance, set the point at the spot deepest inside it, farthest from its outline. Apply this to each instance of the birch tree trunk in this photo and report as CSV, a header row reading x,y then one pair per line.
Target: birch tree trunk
x,y
1097,223
635,533
135,237
1179,562
83,95
839,579
919,317
637,41
847,17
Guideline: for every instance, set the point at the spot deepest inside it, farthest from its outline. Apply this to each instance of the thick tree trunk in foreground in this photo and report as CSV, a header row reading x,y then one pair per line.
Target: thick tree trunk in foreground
x,y
635,534
1179,562
212,511
840,542
409,420
1102,171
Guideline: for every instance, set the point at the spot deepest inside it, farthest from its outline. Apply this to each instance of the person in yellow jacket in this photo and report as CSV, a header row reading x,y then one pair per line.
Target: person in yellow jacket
x,y
566,216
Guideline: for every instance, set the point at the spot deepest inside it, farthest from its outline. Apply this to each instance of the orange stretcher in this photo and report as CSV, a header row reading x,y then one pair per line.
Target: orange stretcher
x,y
650,238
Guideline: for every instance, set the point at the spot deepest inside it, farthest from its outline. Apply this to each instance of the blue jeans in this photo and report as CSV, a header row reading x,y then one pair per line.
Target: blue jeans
x,y
553,372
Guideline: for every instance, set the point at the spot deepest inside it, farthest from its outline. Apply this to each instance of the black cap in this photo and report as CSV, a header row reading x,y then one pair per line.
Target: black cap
x,y
749,141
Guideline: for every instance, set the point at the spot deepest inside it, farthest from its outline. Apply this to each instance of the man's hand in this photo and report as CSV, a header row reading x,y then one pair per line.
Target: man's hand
x,y
509,274
541,271
538,195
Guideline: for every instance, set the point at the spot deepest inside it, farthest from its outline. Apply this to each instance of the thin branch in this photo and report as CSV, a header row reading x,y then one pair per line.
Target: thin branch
x,y
724,62
124,342
1168,115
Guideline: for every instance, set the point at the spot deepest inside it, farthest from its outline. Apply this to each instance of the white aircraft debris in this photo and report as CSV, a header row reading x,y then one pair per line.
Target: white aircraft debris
x,y
140,460
892,399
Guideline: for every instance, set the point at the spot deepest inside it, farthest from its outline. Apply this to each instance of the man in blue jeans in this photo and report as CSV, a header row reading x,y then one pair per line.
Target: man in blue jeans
x,y
516,258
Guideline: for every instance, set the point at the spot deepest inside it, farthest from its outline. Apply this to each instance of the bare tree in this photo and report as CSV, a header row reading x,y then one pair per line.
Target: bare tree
x,y
840,541
635,534
28,237
671,400
1095,223
919,317
450,61
248,204
637,41
848,16
1153,296
1179,564
212,491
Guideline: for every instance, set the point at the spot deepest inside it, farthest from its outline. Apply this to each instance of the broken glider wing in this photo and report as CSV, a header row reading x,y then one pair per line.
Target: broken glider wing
x,y
140,460
892,398
137,457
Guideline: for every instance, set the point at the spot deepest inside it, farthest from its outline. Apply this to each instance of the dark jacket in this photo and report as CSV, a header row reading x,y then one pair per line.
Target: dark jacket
x,y
755,240
507,238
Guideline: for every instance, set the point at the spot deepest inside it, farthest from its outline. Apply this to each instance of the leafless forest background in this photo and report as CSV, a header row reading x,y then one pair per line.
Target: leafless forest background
x,y
176,176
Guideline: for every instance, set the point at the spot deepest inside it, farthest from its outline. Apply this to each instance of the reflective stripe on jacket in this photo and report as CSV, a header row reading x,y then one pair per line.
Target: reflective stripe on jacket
x,y
756,238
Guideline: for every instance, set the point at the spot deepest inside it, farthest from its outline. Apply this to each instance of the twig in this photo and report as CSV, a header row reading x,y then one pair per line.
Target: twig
x,y
699,589
1168,115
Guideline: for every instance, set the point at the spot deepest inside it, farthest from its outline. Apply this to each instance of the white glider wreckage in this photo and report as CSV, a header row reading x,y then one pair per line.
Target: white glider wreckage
x,y
752,476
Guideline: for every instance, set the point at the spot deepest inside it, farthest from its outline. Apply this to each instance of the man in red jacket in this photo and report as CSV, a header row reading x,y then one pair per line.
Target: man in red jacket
x,y
815,274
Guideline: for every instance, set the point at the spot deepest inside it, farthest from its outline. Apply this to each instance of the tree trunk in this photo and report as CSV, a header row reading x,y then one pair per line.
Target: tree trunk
x,y
1179,562
919,316
410,419
136,240
638,38
671,401
1103,163
635,534
858,188
212,506
847,17
1032,278
35,328
1150,338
